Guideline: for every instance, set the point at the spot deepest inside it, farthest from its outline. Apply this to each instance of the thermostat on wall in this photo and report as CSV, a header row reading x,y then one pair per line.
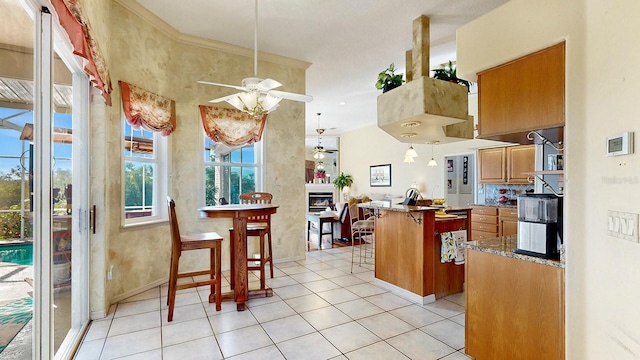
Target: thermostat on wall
x,y
620,144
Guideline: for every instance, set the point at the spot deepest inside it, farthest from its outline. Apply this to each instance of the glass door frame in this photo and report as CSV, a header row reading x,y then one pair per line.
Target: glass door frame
x,y
47,29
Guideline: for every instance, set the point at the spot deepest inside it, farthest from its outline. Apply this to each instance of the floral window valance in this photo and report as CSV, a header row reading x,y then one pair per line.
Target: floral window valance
x,y
231,126
75,24
148,110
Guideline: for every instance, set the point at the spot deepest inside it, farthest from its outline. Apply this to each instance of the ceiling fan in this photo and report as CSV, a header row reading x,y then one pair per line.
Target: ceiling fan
x,y
257,97
319,150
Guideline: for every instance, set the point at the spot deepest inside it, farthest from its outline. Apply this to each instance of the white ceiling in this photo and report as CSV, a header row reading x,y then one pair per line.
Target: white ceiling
x,y
348,42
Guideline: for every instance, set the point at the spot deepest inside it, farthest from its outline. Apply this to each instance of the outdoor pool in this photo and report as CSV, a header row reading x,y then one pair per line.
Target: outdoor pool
x,y
17,253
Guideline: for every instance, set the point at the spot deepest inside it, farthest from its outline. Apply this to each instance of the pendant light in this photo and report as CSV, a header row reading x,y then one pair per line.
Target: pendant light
x,y
411,152
432,162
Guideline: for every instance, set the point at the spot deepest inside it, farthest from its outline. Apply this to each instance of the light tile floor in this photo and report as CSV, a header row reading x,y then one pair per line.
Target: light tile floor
x,y
319,310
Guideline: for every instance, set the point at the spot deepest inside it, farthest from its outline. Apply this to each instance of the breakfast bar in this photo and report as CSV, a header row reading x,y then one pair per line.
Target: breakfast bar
x,y
408,251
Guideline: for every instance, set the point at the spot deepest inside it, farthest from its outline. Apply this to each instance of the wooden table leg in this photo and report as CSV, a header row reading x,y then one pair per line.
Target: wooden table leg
x,y
240,260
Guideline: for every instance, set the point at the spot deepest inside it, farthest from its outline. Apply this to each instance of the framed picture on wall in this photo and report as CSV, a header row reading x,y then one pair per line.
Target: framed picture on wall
x,y
380,175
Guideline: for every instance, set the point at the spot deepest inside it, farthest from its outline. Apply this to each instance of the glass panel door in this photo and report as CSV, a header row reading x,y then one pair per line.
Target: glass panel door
x,y
70,239
43,216
17,276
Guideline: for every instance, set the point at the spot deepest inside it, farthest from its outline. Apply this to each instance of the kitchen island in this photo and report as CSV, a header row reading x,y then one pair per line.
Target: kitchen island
x,y
514,303
407,256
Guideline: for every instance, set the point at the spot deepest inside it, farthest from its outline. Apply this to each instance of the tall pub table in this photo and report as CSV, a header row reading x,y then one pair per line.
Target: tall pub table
x,y
239,213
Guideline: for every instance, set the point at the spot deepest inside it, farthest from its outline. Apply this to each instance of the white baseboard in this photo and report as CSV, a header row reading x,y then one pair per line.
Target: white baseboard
x,y
406,294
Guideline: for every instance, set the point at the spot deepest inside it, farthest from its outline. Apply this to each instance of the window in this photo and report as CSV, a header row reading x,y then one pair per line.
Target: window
x,y
144,175
231,171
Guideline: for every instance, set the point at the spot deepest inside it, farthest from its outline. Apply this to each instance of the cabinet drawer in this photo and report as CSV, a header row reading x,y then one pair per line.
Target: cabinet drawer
x,y
487,219
485,210
508,212
481,235
484,227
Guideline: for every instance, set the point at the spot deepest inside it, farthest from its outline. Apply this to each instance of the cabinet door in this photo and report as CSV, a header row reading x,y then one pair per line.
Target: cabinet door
x,y
522,95
491,166
520,161
508,227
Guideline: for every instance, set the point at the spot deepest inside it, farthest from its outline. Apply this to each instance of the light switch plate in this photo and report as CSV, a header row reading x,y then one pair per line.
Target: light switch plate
x,y
622,225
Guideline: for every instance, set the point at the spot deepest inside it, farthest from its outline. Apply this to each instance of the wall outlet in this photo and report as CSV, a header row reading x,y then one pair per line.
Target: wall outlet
x,y
622,225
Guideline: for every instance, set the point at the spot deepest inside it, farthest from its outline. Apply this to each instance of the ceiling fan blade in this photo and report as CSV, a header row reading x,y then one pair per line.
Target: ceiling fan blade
x,y
291,96
223,85
267,84
224,98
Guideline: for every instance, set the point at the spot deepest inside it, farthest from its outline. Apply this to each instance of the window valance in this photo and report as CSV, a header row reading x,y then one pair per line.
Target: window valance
x,y
75,24
148,110
231,126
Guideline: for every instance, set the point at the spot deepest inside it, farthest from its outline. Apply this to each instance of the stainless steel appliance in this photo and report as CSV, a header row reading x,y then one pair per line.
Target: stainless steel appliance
x,y
539,225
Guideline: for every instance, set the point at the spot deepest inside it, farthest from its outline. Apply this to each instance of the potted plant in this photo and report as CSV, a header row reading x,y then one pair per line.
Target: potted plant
x,y
343,182
448,73
388,79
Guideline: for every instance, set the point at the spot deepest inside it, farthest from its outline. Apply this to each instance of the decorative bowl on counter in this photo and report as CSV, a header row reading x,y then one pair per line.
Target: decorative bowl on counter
x,y
503,199
439,201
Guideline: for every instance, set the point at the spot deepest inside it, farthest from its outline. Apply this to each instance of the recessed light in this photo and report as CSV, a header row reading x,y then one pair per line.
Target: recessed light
x,y
410,123
343,103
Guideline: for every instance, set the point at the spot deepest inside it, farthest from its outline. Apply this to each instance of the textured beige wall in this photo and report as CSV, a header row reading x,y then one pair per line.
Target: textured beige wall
x,y
141,54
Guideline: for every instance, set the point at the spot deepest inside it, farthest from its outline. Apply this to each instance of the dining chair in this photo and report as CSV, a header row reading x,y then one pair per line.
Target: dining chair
x,y
257,226
360,228
180,243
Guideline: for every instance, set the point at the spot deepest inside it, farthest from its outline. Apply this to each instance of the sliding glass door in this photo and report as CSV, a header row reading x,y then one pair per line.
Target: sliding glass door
x,y
43,182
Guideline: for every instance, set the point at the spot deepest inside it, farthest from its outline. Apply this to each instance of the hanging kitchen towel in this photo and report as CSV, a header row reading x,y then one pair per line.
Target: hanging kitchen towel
x,y
448,251
461,237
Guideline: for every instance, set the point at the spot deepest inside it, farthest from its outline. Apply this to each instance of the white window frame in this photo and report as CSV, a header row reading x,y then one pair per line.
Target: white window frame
x,y
161,181
259,165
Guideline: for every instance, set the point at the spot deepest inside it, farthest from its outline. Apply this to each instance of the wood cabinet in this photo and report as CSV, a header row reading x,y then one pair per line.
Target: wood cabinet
x,y
492,165
407,254
506,165
522,95
515,308
507,221
484,222
520,161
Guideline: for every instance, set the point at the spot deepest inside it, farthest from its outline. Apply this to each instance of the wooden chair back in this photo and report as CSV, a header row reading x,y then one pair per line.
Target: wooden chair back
x,y
257,198
175,230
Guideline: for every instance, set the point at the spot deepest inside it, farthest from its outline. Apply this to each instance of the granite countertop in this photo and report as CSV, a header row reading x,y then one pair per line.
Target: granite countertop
x,y
384,205
507,205
504,246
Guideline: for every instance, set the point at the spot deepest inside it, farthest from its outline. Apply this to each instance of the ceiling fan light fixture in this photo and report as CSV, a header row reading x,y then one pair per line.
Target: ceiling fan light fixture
x,y
257,97
318,155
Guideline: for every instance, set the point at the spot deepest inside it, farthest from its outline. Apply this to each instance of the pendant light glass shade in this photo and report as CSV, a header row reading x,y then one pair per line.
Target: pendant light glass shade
x,y
411,152
432,162
408,159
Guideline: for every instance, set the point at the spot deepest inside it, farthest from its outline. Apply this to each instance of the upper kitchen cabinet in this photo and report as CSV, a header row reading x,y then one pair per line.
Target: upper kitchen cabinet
x,y
520,162
492,166
523,95
506,165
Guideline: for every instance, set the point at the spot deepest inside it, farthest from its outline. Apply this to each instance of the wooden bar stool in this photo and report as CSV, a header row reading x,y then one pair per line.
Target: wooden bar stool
x,y
257,226
180,243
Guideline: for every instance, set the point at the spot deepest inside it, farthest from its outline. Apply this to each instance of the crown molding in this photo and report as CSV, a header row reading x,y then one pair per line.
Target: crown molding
x,y
162,26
